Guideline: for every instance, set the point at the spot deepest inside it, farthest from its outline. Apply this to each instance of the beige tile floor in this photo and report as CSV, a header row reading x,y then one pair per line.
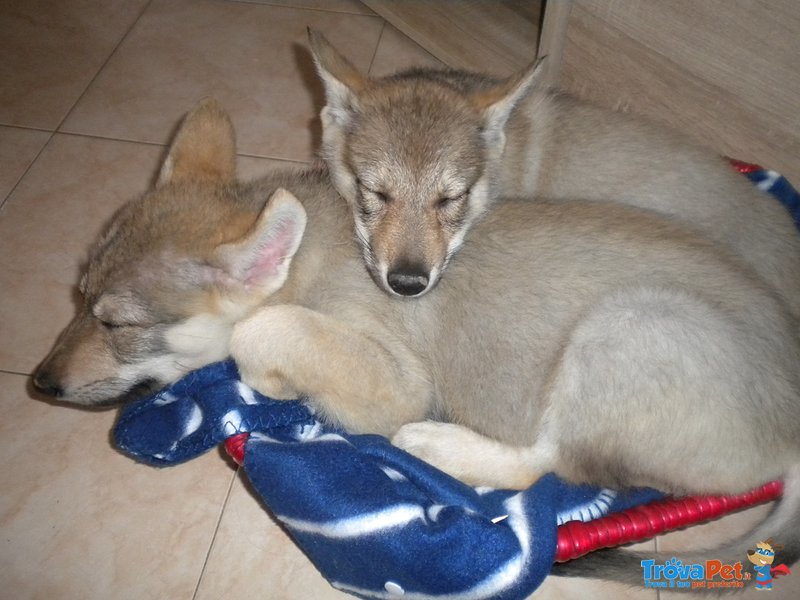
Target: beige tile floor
x,y
91,90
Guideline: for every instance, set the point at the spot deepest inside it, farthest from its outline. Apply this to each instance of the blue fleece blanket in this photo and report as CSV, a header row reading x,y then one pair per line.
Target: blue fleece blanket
x,y
375,521
779,187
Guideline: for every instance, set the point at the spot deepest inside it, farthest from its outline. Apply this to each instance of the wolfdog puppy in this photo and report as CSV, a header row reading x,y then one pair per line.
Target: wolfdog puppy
x,y
422,154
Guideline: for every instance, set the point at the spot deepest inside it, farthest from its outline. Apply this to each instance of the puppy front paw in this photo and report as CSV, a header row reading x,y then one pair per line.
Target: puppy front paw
x,y
263,354
272,385
471,457
435,443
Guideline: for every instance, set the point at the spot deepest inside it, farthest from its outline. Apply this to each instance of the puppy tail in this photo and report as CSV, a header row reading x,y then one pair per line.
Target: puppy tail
x,y
782,525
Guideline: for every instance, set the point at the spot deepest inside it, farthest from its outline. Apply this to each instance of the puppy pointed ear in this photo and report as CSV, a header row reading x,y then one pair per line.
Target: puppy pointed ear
x,y
497,102
260,260
204,149
343,82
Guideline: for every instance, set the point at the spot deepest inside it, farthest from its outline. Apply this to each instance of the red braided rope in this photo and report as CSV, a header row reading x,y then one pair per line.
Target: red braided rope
x,y
234,446
648,520
743,167
633,525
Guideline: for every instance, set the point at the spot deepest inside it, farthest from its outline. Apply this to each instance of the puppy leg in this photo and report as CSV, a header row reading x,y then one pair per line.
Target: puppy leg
x,y
365,384
472,457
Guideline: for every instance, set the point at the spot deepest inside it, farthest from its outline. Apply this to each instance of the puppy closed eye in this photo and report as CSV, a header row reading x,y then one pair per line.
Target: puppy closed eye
x,y
116,322
116,325
117,310
380,196
371,193
448,202
371,204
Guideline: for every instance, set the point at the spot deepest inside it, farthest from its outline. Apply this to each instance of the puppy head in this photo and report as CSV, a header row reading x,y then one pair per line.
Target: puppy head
x,y
414,155
172,273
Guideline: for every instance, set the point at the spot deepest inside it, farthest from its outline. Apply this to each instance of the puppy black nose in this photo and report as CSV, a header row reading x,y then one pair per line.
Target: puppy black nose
x,y
408,281
45,384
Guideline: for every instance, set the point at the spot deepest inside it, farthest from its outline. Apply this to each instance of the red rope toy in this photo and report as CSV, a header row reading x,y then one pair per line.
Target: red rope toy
x,y
744,167
649,520
577,538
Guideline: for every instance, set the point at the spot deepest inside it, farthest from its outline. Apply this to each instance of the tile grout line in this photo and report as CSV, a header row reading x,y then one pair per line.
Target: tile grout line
x,y
311,8
377,45
104,65
26,127
95,136
28,168
10,372
295,161
216,531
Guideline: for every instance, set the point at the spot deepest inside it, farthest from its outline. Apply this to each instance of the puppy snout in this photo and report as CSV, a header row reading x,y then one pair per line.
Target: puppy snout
x,y
408,280
47,384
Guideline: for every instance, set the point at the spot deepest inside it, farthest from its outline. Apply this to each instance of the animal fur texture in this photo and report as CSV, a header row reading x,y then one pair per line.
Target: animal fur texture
x,y
607,344
422,154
